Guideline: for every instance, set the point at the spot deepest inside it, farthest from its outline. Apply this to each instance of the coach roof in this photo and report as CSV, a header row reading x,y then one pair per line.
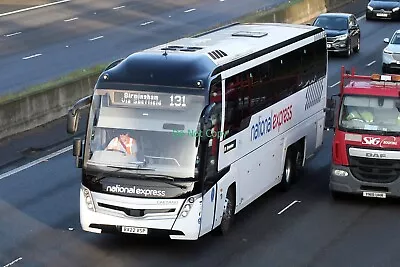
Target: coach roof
x,y
235,41
196,58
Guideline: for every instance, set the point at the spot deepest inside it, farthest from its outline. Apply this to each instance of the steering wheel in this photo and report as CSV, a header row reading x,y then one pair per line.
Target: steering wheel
x,y
116,150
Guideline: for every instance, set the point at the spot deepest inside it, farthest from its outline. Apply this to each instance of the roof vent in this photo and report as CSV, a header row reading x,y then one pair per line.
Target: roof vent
x,y
181,48
216,54
250,34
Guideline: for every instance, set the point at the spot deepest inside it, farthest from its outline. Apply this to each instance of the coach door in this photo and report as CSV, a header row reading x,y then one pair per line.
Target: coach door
x,y
210,148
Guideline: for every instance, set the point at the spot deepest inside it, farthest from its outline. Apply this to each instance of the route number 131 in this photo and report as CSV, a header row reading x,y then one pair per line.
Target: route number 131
x,y
178,101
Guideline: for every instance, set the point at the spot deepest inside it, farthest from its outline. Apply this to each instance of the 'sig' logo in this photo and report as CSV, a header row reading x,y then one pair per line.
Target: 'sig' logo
x,y
371,141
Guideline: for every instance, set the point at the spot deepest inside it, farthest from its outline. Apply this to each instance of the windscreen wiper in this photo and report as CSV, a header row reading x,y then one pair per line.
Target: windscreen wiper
x,y
102,175
168,179
155,177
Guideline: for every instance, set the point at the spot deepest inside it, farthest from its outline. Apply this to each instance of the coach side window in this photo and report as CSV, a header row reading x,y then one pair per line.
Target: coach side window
x,y
308,65
238,92
320,57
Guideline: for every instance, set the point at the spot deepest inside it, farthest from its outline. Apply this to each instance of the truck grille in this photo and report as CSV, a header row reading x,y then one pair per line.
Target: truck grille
x,y
374,170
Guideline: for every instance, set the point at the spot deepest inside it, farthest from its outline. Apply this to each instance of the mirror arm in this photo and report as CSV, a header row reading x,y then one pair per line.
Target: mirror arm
x,y
81,103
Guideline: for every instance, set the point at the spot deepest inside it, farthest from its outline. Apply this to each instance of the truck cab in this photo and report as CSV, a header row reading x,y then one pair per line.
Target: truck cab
x,y
366,142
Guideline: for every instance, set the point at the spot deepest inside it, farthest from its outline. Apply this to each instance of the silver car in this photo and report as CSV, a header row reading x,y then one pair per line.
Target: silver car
x,y
391,54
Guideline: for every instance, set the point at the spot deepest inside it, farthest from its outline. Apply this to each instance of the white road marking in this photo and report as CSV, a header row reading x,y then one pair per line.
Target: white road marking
x,y
190,10
33,56
35,162
333,85
118,7
371,63
12,34
14,261
146,23
291,204
96,38
361,18
34,7
68,20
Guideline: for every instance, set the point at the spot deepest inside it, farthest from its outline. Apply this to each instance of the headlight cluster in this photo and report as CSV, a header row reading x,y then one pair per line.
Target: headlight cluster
x,y
188,205
340,173
88,199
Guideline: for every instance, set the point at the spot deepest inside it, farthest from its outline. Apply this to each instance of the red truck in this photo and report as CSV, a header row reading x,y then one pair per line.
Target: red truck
x,y
366,142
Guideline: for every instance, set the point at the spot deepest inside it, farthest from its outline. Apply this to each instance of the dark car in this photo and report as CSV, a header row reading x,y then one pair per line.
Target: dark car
x,y
342,32
383,9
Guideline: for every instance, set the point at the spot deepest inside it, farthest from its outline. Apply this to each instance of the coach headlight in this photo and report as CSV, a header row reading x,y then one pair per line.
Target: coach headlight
x,y
188,205
370,8
395,9
88,198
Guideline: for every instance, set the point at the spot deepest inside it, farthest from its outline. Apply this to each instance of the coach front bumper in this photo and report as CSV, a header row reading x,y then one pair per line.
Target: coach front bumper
x,y
104,213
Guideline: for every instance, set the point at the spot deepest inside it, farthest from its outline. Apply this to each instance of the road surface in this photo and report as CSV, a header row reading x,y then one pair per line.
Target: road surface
x,y
39,225
46,43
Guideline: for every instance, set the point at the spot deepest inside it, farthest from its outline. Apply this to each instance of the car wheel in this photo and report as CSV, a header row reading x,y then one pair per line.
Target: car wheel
x,y
347,53
357,48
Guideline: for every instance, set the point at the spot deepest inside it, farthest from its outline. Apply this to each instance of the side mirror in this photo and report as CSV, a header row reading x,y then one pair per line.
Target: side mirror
x,y
206,122
77,147
309,24
72,121
73,114
386,40
330,113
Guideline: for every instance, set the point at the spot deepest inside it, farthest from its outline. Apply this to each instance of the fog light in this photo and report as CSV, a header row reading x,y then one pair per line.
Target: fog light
x,y
340,173
184,214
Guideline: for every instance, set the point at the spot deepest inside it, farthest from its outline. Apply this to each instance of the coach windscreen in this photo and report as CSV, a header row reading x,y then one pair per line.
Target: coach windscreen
x,y
151,129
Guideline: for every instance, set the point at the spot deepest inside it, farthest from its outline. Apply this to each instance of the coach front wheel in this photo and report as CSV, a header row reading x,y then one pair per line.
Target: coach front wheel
x,y
288,172
228,213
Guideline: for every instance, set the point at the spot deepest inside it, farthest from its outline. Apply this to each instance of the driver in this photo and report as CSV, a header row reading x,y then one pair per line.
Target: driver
x,y
360,113
123,143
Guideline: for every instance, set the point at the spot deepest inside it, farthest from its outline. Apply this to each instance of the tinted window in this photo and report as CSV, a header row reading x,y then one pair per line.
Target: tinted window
x,y
332,23
253,90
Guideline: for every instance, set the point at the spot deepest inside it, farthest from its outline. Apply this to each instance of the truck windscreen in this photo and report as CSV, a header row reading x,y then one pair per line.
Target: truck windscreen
x,y
152,129
370,114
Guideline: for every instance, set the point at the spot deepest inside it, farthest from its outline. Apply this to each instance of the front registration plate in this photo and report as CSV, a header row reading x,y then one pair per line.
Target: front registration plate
x,y
134,230
381,15
374,194
398,62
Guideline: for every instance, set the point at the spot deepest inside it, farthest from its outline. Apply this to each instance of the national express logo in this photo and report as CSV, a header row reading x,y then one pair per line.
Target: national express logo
x,y
133,190
272,122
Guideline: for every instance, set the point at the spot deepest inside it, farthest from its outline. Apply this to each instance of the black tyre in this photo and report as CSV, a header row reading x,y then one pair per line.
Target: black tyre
x,y
289,170
336,195
347,53
228,214
358,46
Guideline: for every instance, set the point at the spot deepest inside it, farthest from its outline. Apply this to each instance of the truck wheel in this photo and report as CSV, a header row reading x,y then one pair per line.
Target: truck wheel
x,y
336,195
288,172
